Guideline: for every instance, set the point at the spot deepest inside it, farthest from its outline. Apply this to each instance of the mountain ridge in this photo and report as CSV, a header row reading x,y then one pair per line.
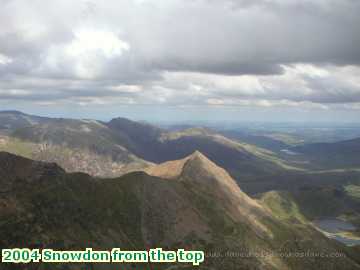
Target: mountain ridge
x,y
131,144
138,211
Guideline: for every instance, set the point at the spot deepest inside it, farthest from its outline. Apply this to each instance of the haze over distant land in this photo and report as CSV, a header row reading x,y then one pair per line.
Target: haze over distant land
x,y
182,60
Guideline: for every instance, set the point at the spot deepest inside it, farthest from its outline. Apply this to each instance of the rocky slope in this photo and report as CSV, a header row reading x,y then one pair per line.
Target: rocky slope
x,y
76,145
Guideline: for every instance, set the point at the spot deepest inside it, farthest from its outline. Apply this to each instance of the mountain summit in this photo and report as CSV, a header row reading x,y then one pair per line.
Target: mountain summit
x,y
208,178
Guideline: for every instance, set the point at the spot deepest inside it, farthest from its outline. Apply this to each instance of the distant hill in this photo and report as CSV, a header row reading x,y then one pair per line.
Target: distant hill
x,y
12,120
157,145
189,203
343,154
266,142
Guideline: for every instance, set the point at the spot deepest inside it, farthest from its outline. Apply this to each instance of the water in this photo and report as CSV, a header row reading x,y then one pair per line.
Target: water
x,y
333,225
289,152
345,240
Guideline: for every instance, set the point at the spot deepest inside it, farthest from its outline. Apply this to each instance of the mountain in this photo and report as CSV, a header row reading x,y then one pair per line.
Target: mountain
x,y
12,120
189,203
157,145
77,145
90,146
266,141
337,155
293,181
208,178
109,149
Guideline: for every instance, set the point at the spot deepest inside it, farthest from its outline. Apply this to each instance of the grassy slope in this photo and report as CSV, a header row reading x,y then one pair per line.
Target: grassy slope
x,y
283,206
287,208
17,146
353,191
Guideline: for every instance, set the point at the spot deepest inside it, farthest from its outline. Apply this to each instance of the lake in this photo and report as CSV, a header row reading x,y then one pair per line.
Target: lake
x,y
289,152
333,226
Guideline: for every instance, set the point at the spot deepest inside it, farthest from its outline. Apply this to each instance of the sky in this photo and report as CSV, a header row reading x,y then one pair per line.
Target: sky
x,y
182,60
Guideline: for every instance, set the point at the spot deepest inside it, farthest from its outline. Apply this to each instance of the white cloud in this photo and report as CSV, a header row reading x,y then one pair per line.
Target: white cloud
x,y
5,60
15,92
86,56
126,88
309,70
87,42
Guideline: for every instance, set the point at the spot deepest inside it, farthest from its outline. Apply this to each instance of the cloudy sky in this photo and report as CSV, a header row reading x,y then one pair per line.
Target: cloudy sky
x,y
271,60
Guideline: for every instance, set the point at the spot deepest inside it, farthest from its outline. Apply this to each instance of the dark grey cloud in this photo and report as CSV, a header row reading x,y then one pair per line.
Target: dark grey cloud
x,y
230,68
181,52
255,37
